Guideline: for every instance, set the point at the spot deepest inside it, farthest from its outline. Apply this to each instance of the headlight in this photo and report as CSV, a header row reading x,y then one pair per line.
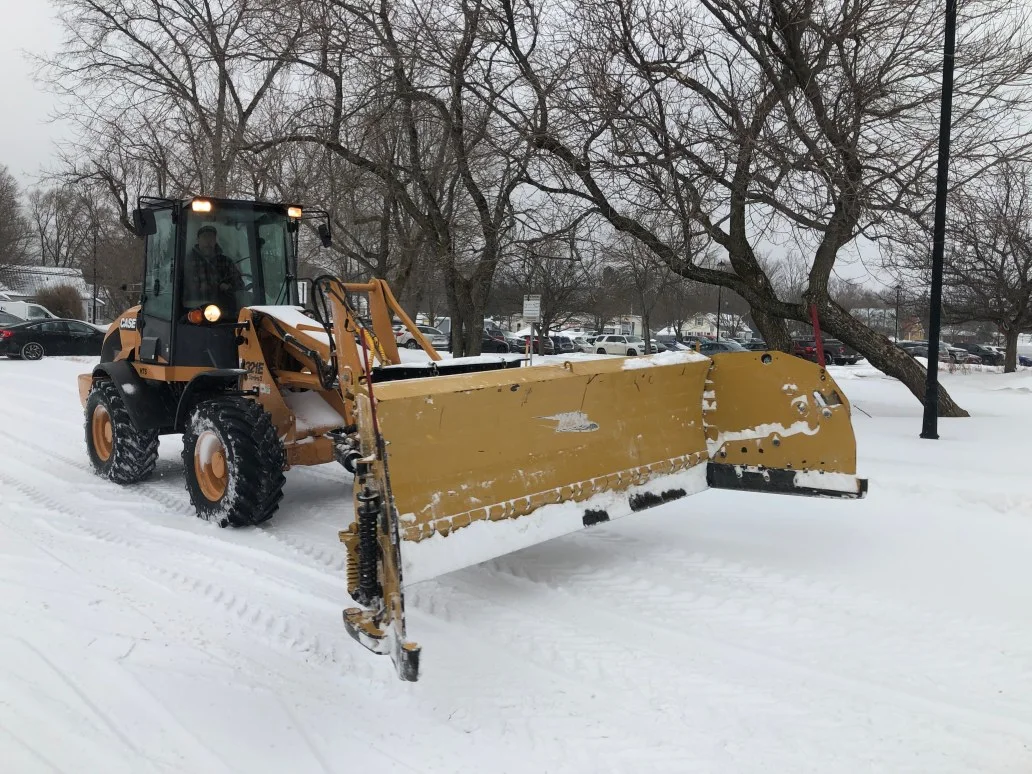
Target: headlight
x,y
212,313
293,212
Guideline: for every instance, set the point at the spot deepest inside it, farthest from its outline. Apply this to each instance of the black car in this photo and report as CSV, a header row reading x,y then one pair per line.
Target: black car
x,y
722,345
839,353
36,338
989,356
492,344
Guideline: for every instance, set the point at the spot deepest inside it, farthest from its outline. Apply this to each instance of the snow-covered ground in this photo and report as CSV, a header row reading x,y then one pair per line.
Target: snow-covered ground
x,y
728,632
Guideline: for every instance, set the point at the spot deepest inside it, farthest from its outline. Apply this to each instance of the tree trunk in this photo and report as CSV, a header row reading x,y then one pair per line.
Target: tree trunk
x,y
773,329
646,333
467,316
1010,363
884,355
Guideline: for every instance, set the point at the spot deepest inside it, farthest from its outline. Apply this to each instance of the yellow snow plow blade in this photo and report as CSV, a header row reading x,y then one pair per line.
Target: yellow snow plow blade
x,y
479,465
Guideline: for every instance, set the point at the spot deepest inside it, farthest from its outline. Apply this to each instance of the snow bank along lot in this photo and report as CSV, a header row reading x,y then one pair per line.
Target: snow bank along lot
x,y
728,632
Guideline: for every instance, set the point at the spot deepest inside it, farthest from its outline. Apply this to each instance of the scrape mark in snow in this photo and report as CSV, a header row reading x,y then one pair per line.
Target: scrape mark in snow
x,y
572,422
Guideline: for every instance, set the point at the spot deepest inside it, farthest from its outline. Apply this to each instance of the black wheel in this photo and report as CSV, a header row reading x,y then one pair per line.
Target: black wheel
x,y
234,462
118,451
33,351
412,344
600,351
631,353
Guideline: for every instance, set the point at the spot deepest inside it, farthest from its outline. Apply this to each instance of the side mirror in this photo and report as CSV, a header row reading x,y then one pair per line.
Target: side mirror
x,y
324,234
144,223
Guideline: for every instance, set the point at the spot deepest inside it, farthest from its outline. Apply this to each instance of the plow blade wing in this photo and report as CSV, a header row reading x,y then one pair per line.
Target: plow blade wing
x,y
776,423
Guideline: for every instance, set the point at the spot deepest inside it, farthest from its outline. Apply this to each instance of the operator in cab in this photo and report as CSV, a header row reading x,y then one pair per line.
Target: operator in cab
x,y
210,276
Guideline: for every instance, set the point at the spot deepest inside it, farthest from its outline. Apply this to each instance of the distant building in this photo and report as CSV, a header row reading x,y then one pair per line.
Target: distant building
x,y
24,283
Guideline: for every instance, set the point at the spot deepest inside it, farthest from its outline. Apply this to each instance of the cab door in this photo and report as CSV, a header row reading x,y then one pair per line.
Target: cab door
x,y
155,323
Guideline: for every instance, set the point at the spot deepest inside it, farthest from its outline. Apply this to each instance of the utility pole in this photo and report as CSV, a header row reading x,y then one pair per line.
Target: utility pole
x,y
930,425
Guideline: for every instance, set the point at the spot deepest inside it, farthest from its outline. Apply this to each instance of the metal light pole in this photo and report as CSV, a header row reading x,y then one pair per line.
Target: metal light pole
x,y
720,297
899,289
930,425
94,319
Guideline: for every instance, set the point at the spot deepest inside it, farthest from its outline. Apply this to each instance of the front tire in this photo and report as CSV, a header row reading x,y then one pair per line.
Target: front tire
x,y
412,344
600,351
118,451
33,350
234,462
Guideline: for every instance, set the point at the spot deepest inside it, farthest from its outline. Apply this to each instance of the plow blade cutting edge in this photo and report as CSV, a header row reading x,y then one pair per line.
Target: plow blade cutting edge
x,y
474,466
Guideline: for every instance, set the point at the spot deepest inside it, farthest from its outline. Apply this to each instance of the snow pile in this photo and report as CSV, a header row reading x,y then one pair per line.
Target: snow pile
x,y
663,358
312,412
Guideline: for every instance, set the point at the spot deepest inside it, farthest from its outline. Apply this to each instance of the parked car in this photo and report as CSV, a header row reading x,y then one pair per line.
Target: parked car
x,y
755,345
989,355
583,343
562,344
839,354
805,348
920,349
492,344
619,345
714,346
36,338
26,310
541,346
1024,360
437,339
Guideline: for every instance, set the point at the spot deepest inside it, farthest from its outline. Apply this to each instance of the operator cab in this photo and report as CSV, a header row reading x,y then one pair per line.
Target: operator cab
x,y
206,259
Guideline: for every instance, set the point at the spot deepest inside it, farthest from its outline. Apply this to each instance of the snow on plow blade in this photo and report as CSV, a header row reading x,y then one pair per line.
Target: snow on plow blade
x,y
480,465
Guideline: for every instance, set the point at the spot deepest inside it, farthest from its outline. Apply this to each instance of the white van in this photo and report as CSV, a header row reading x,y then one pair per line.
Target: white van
x,y
27,310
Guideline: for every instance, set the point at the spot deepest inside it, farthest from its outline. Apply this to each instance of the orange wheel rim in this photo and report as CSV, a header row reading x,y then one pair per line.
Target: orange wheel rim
x,y
103,433
210,466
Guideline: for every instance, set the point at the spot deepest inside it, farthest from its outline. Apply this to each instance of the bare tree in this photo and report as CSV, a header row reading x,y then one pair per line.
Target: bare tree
x,y
988,271
180,83
679,302
14,226
61,225
554,269
747,119
399,92
646,278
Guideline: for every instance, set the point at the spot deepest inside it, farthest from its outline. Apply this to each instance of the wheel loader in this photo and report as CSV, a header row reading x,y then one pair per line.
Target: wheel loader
x,y
453,461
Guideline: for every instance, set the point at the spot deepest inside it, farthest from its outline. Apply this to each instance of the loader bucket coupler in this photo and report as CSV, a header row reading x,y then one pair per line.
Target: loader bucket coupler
x,y
479,465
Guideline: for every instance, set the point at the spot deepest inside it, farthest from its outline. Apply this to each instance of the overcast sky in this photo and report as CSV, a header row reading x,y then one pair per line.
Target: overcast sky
x,y
27,137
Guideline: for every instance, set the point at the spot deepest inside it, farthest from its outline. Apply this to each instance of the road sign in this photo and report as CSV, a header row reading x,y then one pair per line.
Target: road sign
x,y
532,308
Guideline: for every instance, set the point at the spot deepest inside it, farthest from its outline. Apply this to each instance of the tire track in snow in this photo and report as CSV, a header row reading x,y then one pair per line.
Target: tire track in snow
x,y
889,663
749,683
175,502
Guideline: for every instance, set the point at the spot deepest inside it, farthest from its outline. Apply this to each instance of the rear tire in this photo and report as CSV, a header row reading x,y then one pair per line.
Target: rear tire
x,y
118,451
234,462
33,350
412,344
